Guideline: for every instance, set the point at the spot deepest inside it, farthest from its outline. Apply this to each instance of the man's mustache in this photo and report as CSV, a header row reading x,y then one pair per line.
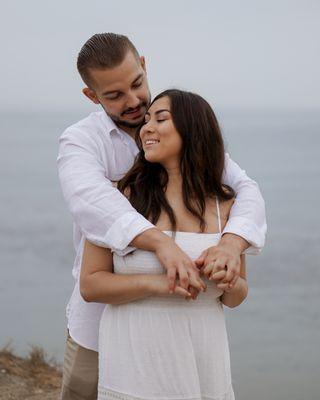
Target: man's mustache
x,y
128,110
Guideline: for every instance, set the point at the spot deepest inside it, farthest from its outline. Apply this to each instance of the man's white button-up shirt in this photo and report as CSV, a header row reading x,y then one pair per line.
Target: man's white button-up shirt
x,y
93,153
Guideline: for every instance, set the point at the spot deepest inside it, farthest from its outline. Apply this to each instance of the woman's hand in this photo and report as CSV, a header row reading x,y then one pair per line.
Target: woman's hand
x,y
158,285
175,261
225,256
235,295
220,279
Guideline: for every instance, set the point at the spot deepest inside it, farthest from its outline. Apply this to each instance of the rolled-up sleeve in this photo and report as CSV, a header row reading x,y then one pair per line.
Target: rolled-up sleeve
x,y
103,214
247,217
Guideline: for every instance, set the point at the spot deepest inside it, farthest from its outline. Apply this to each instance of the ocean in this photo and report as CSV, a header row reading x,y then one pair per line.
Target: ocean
x,y
274,336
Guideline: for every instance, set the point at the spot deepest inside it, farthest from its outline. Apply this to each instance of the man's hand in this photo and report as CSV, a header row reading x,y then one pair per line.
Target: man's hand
x,y
178,264
223,257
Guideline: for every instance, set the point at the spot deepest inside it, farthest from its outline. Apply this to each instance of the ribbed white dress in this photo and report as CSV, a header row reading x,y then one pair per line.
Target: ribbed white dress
x,y
162,348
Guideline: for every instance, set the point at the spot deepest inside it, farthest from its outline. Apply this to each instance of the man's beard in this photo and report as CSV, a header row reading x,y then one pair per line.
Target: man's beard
x,y
127,124
122,123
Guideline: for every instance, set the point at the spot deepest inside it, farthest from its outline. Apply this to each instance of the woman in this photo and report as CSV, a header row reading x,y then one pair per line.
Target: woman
x,y
153,344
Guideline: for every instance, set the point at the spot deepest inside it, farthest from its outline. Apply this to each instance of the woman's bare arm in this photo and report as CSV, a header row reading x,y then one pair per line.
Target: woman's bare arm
x,y
99,284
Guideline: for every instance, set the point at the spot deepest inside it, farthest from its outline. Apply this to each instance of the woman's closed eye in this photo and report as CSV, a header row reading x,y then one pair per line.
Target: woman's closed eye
x,y
158,120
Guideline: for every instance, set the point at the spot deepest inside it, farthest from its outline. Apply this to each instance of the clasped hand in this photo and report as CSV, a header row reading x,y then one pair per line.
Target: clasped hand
x,y
220,265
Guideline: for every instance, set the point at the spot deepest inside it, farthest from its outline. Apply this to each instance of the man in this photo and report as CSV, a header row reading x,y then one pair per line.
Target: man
x,y
99,150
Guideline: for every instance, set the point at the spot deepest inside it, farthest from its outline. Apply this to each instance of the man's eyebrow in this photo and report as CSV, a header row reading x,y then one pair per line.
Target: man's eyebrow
x,y
117,91
137,78
110,92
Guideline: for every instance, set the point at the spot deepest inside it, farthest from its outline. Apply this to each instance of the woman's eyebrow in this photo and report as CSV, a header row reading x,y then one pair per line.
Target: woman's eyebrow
x,y
157,112
160,111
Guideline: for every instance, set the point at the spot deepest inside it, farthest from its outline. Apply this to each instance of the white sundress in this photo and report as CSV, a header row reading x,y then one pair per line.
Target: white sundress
x,y
165,348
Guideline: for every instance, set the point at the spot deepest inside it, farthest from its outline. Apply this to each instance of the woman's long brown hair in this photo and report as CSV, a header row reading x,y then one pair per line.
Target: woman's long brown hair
x,y
201,164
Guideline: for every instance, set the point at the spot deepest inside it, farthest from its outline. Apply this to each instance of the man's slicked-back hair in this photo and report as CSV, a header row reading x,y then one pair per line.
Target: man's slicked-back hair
x,y
103,50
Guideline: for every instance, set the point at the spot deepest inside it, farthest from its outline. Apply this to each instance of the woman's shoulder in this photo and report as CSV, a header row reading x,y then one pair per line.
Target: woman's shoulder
x,y
225,208
226,205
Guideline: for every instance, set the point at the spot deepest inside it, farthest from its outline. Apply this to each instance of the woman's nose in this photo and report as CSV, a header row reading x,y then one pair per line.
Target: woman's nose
x,y
149,127
146,128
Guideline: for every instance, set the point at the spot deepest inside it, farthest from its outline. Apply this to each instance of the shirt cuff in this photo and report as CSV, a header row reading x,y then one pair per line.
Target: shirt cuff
x,y
124,230
248,231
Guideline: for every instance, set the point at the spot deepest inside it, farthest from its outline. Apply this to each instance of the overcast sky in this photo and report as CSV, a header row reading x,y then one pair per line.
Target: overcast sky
x,y
237,54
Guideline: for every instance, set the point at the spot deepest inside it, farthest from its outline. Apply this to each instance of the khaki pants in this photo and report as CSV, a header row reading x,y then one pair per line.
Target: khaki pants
x,y
80,373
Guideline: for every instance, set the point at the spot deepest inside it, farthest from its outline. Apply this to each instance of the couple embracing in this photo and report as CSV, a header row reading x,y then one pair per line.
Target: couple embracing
x,y
162,217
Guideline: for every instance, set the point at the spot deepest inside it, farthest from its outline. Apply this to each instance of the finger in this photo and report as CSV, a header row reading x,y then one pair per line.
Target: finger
x,y
208,268
199,263
203,285
195,279
197,283
223,286
194,292
219,264
233,268
182,292
183,277
229,276
171,275
218,276
211,254
234,281
200,260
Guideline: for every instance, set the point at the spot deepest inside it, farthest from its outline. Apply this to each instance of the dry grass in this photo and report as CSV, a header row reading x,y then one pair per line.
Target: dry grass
x,y
35,370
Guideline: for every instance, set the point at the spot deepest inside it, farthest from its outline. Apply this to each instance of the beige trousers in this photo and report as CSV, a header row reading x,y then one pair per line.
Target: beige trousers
x,y
80,373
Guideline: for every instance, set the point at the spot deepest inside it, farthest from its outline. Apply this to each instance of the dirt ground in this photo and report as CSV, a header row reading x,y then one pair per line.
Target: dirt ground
x,y
31,378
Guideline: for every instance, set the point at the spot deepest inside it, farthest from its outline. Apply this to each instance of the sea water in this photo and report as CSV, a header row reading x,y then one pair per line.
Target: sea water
x,y
274,335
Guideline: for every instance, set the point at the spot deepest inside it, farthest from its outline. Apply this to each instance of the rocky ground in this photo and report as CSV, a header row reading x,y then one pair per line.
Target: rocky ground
x,y
31,378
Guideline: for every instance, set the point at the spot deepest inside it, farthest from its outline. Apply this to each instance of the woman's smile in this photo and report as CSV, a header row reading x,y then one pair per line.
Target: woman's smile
x,y
160,139
151,142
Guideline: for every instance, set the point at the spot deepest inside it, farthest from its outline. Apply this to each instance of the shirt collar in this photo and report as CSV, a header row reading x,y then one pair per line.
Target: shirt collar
x,y
110,125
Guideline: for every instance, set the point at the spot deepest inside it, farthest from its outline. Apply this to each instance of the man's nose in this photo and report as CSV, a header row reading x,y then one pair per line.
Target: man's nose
x,y
132,100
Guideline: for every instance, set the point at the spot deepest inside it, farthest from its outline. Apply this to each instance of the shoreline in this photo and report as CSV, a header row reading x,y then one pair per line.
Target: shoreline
x,y
34,377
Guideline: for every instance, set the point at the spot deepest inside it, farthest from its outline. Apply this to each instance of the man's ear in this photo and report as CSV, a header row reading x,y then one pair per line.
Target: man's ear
x,y
143,63
91,95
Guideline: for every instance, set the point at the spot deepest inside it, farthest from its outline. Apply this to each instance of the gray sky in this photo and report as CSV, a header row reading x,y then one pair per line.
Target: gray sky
x,y
237,54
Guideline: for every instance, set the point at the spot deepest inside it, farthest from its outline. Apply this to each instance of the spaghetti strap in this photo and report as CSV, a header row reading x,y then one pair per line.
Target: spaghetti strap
x,y
218,212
